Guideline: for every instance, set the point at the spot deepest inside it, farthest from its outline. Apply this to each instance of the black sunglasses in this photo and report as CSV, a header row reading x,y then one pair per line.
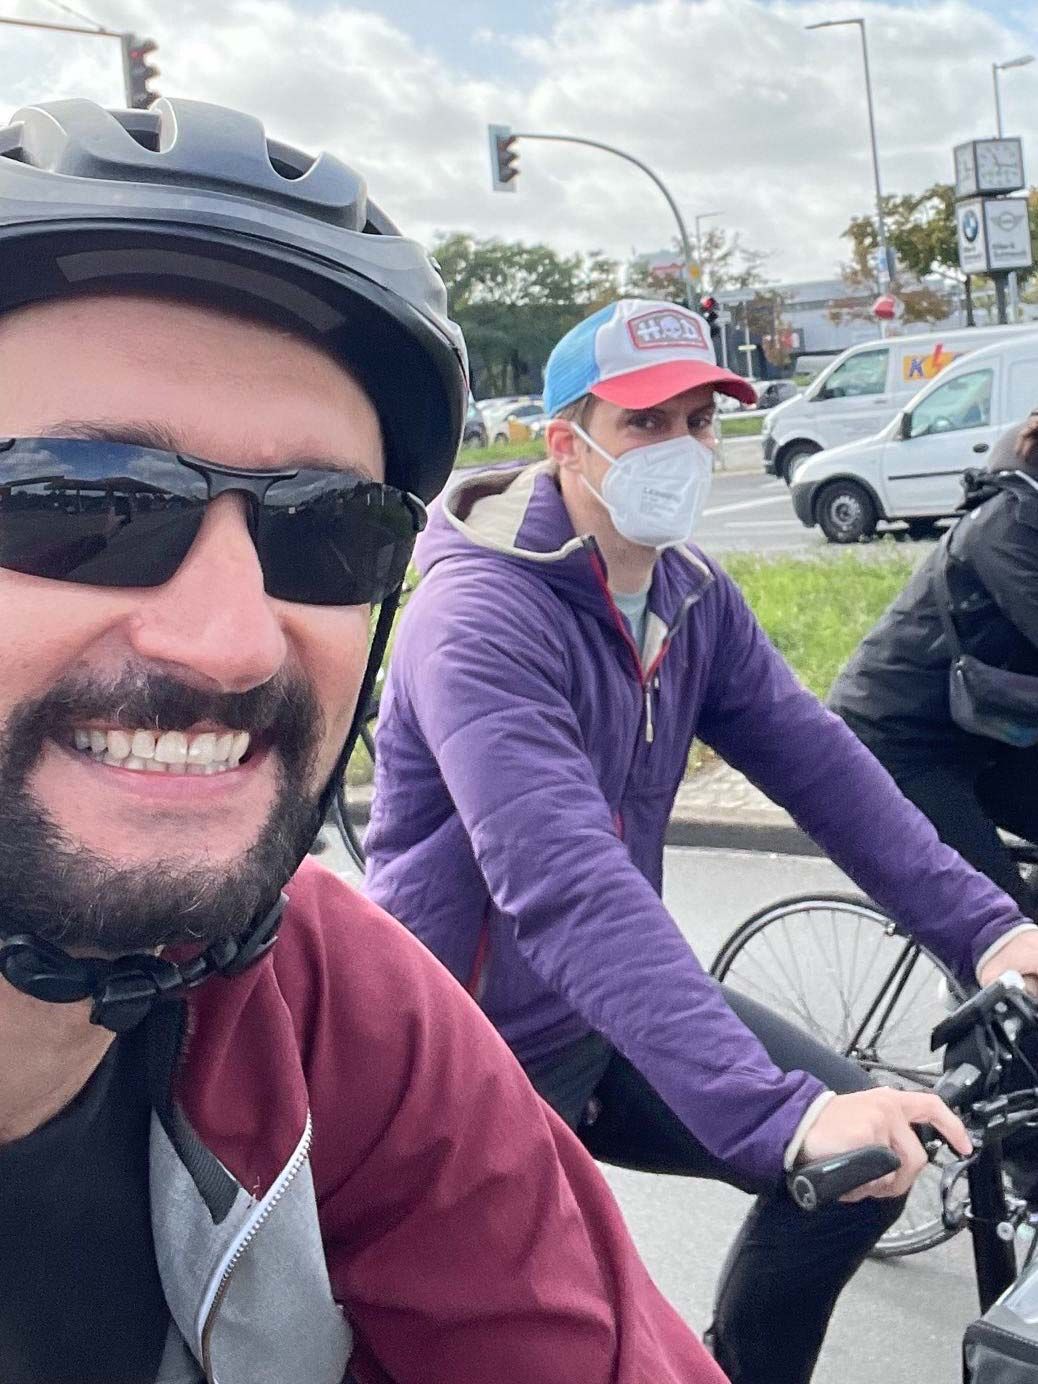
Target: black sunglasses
x,y
111,514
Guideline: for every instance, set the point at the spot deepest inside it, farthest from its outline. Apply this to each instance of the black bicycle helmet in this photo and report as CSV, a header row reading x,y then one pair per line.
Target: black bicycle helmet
x,y
194,196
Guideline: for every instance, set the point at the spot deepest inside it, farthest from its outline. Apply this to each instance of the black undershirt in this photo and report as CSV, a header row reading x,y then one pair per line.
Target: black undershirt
x,y
80,1296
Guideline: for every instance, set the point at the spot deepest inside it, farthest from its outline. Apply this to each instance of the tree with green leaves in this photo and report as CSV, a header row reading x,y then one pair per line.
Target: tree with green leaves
x,y
513,302
725,263
922,233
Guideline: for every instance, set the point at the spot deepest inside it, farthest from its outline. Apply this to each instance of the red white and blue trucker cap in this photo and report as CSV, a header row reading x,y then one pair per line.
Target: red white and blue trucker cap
x,y
636,353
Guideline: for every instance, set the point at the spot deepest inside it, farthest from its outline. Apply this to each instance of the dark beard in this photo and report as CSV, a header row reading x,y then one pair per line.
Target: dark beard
x,y
79,899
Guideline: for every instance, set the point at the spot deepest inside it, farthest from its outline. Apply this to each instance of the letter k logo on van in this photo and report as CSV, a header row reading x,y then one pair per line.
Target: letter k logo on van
x,y
926,367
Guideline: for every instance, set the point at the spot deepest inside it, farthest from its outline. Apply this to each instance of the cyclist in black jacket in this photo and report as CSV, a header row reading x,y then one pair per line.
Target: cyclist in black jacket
x,y
894,692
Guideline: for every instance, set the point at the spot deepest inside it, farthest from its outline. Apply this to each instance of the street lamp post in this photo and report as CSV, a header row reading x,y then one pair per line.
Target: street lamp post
x,y
686,249
996,68
880,225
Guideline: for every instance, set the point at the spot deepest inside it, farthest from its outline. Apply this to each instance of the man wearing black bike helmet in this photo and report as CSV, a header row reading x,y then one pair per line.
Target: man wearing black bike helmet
x,y
222,1158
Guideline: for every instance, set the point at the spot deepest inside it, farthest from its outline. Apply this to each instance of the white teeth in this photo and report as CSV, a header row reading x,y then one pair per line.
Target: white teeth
x,y
170,751
200,750
171,748
143,744
119,744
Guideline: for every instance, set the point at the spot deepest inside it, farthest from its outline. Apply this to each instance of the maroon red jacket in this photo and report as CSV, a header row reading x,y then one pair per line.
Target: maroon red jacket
x,y
353,1179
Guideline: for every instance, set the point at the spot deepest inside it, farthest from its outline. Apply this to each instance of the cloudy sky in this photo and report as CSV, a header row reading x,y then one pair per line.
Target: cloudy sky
x,y
731,101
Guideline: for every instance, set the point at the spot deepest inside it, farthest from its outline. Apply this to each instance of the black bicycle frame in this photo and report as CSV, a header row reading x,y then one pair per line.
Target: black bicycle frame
x,y
898,978
994,1257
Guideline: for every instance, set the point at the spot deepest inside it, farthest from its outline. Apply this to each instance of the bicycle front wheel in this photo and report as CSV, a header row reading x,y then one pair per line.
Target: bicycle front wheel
x,y
838,967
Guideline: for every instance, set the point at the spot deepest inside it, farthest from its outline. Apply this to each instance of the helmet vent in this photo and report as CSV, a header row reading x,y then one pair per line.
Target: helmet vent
x,y
12,145
288,162
286,170
146,138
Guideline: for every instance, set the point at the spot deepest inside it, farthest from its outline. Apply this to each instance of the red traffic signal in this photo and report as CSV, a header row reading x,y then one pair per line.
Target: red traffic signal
x,y
710,308
504,158
138,71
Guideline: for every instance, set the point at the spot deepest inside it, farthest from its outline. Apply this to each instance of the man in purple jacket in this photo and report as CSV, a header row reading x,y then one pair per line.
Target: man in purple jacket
x,y
564,647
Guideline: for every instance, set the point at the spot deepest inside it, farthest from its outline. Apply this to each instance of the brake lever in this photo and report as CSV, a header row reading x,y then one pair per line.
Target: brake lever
x,y
954,1217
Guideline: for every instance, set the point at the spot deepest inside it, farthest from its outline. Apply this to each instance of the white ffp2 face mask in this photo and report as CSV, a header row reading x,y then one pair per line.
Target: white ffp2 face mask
x,y
655,494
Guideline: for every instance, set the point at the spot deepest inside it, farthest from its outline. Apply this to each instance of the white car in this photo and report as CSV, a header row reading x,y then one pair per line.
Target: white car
x,y
496,418
912,470
862,390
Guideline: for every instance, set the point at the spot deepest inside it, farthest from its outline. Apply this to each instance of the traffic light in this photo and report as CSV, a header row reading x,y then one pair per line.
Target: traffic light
x,y
138,71
504,158
710,309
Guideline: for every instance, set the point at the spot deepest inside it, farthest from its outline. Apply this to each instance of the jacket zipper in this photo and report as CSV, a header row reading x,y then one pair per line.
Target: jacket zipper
x,y
648,679
652,676
297,1161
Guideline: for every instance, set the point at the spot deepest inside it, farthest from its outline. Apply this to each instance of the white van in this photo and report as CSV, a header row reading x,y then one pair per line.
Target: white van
x,y
861,390
912,470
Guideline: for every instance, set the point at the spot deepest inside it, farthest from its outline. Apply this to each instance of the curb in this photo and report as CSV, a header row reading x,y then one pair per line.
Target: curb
x,y
771,836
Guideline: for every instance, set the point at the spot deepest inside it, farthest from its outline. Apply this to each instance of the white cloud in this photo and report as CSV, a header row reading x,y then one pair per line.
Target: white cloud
x,y
730,100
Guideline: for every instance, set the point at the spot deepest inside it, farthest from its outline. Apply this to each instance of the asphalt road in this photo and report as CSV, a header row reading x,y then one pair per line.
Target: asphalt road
x,y
750,512
900,1320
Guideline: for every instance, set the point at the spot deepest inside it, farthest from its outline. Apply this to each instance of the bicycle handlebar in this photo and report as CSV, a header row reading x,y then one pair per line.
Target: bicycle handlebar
x,y
819,1184
1006,994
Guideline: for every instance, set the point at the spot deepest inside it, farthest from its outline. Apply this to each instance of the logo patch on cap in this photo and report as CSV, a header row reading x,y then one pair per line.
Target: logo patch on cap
x,y
654,330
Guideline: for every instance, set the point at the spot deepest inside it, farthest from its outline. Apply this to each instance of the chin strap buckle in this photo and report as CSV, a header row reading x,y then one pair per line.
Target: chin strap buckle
x,y
130,990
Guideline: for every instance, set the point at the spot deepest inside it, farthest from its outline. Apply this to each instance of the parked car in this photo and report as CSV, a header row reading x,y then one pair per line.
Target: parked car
x,y
862,390
912,469
496,410
770,393
475,434
519,413
726,403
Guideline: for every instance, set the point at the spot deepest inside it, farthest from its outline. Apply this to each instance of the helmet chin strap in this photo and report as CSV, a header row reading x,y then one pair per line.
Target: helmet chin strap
x,y
335,793
122,992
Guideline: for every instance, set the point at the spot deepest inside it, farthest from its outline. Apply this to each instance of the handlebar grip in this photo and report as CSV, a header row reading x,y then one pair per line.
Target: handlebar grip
x,y
820,1184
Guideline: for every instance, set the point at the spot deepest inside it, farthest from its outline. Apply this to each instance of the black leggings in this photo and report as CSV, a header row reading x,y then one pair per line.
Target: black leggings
x,y
784,1272
968,801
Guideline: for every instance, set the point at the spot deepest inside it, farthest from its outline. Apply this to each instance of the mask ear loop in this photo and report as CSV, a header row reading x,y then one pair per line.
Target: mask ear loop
x,y
590,441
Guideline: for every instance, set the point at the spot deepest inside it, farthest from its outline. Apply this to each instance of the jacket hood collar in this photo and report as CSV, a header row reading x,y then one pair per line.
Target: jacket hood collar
x,y
517,515
518,512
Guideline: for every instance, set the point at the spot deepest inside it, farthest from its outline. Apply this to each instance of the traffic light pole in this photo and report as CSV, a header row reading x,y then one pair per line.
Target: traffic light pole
x,y
621,154
61,28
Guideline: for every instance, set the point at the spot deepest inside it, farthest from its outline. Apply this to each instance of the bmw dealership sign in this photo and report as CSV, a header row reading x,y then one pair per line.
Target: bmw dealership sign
x,y
994,235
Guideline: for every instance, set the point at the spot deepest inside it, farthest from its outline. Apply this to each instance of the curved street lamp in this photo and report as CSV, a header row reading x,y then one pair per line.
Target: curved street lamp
x,y
884,272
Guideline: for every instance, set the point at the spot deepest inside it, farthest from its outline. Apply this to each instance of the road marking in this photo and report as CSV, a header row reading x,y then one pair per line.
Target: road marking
x,y
765,524
745,504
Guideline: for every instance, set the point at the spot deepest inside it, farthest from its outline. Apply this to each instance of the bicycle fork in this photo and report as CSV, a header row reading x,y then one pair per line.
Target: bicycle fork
x,y
992,1227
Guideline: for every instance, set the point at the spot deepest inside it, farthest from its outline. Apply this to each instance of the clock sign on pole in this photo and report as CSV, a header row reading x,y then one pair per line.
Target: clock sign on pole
x,y
993,230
